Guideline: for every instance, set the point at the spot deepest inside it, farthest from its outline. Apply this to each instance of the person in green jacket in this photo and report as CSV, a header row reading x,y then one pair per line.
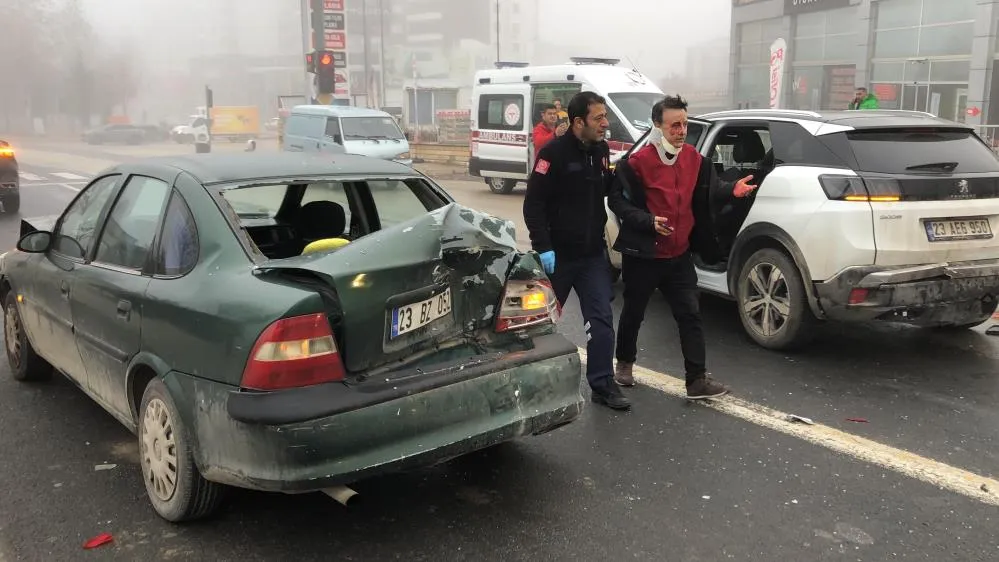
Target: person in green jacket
x,y
864,100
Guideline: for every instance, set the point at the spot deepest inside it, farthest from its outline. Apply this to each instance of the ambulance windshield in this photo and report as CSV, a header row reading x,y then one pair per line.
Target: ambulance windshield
x,y
636,107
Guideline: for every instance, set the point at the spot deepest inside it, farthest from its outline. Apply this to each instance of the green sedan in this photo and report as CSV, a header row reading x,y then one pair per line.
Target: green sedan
x,y
287,322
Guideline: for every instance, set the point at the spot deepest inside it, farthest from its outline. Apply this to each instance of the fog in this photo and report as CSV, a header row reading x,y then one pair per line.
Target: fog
x,y
150,60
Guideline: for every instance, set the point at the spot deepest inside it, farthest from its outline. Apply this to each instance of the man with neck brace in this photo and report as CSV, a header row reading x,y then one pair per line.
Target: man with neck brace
x,y
656,195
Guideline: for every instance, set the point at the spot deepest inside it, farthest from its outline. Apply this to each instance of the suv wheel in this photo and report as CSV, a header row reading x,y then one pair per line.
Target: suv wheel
x,y
773,305
500,185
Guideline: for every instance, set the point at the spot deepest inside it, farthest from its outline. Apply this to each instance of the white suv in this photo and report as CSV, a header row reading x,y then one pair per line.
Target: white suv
x,y
859,216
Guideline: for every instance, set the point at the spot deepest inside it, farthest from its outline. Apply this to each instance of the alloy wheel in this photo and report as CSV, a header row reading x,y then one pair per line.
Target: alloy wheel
x,y
766,301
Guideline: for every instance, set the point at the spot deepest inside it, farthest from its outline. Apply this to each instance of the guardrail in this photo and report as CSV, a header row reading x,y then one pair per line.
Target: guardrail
x,y
989,134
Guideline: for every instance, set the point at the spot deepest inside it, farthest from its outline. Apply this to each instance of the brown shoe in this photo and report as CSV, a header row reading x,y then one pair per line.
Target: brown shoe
x,y
623,375
704,388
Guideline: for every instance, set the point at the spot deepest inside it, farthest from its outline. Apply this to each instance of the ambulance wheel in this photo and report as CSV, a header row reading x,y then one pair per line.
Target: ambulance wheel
x,y
500,185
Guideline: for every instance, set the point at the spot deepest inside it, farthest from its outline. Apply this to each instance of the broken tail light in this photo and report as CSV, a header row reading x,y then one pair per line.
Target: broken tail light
x,y
853,188
526,303
294,352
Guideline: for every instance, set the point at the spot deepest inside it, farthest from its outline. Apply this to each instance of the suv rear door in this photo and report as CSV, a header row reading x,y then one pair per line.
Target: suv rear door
x,y
934,192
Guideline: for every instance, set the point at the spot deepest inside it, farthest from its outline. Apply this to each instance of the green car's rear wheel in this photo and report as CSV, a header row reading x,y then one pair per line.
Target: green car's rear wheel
x,y
176,489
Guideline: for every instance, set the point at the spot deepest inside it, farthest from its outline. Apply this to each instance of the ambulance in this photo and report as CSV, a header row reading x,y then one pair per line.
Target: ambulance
x,y
507,102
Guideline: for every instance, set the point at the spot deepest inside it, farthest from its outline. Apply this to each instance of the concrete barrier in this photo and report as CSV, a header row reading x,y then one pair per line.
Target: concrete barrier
x,y
454,154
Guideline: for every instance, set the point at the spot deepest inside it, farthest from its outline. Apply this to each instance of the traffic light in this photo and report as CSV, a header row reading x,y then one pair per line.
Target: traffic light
x,y
310,62
325,72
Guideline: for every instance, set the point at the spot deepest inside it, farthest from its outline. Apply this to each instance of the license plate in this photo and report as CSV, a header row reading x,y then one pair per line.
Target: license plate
x,y
943,230
407,318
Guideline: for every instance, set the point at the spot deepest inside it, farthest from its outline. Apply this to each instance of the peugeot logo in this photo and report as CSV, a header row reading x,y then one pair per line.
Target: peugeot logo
x,y
962,187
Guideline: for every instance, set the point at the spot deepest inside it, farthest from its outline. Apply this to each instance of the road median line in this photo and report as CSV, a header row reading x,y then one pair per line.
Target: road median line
x,y
909,464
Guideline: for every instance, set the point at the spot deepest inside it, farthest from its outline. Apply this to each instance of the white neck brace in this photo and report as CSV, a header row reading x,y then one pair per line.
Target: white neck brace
x,y
667,152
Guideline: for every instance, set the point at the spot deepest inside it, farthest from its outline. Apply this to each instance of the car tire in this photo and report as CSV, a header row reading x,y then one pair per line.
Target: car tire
x,y
25,364
161,430
503,186
786,293
12,205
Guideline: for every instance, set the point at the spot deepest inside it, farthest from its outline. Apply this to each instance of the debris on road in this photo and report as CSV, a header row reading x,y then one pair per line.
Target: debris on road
x,y
100,540
857,420
794,418
100,467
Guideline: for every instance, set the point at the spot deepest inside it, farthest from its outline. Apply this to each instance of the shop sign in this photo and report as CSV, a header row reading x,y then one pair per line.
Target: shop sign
x,y
805,6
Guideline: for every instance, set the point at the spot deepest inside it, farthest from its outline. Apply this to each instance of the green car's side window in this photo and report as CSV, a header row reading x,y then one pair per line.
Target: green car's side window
x,y
178,250
78,225
131,227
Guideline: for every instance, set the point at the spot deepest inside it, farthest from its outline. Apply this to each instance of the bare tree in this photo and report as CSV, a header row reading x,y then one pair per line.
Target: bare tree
x,y
62,67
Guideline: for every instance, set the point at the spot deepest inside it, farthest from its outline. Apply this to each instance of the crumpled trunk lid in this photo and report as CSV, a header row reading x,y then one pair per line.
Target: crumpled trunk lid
x,y
429,283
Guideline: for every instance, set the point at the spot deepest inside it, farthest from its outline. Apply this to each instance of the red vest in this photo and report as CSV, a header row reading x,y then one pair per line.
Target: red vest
x,y
669,192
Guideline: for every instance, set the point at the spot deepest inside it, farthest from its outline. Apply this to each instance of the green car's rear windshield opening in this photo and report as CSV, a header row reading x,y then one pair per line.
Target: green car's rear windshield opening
x,y
273,213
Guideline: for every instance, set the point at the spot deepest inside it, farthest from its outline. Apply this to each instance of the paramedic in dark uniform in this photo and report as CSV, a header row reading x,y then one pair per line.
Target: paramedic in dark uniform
x,y
565,216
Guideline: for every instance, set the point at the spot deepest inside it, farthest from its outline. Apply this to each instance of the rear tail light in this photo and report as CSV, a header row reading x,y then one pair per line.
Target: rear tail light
x,y
294,352
526,303
6,152
858,296
853,188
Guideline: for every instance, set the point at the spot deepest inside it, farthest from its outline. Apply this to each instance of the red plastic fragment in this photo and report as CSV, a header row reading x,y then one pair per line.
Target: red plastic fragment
x,y
100,540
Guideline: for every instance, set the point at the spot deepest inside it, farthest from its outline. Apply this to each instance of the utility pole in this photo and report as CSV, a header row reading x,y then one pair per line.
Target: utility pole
x,y
497,31
306,8
381,52
367,51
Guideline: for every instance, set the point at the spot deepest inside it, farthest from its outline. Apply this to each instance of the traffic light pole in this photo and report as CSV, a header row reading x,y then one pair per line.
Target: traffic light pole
x,y
307,38
319,43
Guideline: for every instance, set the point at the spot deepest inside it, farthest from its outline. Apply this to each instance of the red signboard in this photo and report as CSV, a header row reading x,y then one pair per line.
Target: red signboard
x,y
332,5
336,40
886,92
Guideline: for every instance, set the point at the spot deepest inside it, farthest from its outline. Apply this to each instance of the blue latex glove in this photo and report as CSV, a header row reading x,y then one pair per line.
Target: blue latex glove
x,y
548,261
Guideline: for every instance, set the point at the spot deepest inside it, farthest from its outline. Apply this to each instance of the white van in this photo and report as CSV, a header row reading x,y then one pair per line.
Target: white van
x,y
354,130
507,102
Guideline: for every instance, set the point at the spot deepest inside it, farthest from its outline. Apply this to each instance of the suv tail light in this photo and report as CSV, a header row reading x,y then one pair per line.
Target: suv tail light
x,y
294,352
526,303
853,188
6,151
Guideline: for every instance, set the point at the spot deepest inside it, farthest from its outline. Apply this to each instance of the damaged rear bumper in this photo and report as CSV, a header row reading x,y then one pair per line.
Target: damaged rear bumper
x,y
931,294
243,440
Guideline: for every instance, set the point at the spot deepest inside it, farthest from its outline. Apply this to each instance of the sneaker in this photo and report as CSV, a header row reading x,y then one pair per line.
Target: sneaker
x,y
610,396
623,375
704,388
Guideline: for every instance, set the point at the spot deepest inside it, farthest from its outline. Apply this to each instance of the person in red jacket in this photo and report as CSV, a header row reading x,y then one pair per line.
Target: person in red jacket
x,y
655,195
546,130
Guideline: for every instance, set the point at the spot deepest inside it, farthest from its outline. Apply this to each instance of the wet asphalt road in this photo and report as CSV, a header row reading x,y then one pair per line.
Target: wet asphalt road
x,y
667,481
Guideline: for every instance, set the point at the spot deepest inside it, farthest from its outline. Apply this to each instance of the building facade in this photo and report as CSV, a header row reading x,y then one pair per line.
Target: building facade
x,y
927,55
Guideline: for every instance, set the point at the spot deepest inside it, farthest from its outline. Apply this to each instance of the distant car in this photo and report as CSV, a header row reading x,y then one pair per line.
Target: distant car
x,y
115,133
859,216
10,179
287,322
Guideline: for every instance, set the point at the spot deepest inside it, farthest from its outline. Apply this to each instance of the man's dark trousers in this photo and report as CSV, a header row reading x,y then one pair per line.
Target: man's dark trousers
x,y
590,277
677,280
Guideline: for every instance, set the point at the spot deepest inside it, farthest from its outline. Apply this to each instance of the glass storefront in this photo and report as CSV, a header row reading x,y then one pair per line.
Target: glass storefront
x,y
922,53
752,88
822,70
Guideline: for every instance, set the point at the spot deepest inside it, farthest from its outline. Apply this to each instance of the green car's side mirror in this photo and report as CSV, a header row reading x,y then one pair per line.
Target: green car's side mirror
x,y
35,242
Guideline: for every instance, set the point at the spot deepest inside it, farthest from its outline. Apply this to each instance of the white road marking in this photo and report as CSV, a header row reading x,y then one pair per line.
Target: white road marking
x,y
30,177
68,176
927,470
69,187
